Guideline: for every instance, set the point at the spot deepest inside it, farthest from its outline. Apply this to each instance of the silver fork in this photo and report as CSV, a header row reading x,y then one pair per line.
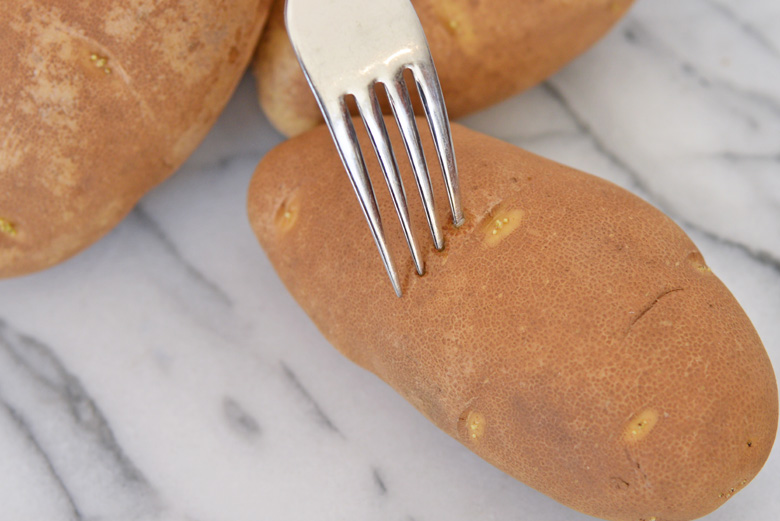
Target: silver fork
x,y
347,47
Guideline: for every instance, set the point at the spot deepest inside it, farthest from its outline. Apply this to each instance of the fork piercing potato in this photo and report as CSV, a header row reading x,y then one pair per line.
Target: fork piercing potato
x,y
569,333
101,101
485,51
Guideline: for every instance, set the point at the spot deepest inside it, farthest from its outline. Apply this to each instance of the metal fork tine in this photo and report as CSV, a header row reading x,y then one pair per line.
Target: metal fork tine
x,y
376,42
340,124
404,115
375,124
433,101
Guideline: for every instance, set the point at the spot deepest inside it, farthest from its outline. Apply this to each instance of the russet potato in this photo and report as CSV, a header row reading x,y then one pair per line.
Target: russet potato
x,y
569,333
101,101
485,51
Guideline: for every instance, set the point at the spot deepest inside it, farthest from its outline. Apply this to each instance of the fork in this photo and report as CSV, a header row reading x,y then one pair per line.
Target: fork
x,y
348,47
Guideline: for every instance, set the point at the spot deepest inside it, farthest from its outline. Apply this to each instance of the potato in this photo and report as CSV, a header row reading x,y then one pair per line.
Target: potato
x,y
101,101
484,52
569,333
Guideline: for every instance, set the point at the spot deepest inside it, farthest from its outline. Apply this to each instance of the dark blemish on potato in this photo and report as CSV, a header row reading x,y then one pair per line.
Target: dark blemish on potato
x,y
635,464
650,306
749,444
194,45
7,227
233,54
620,483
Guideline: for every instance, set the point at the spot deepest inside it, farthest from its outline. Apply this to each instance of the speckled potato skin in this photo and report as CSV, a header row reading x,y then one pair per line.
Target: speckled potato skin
x,y
485,51
99,102
584,347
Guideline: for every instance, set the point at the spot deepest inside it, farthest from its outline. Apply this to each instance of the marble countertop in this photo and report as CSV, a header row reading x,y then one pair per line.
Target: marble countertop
x,y
166,374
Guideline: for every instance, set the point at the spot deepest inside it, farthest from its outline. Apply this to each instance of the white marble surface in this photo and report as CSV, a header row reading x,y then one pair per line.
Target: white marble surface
x,y
165,374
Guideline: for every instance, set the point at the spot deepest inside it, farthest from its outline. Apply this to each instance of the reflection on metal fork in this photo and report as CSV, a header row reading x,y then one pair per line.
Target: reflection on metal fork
x,y
348,47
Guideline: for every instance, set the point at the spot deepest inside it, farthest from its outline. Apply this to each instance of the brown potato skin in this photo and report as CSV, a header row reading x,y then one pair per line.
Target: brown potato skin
x,y
101,101
543,352
485,51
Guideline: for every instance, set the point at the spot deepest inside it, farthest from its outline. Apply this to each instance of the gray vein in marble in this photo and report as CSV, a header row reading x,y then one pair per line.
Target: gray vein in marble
x,y
28,435
761,256
765,102
747,28
239,419
630,35
40,362
545,136
380,483
226,162
640,34
222,163
149,224
738,157
319,413
49,402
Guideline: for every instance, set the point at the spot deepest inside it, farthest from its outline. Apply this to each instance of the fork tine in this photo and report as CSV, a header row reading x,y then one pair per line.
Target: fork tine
x,y
433,101
340,125
404,115
375,124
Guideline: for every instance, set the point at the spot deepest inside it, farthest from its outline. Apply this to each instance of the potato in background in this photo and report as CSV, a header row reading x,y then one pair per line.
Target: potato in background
x,y
485,51
101,101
